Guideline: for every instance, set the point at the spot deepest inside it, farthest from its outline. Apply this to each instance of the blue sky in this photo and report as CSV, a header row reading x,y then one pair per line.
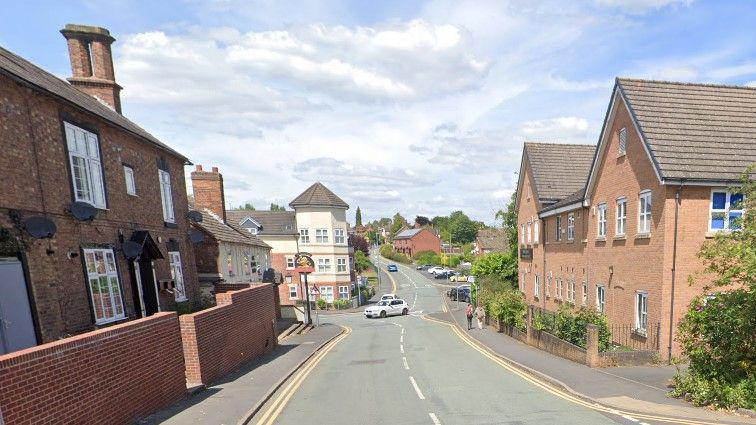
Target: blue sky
x,y
416,107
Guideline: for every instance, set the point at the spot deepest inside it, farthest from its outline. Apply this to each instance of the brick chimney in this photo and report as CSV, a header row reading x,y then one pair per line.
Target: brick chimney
x,y
92,63
207,187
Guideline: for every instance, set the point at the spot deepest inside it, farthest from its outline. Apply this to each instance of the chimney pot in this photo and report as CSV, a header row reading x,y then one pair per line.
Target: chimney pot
x,y
215,169
199,167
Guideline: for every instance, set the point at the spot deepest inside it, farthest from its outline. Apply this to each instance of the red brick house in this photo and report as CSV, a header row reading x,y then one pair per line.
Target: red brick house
x,y
93,227
412,241
488,241
617,226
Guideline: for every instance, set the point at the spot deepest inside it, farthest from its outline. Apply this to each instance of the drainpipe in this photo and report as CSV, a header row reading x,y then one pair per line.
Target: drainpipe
x,y
674,270
543,271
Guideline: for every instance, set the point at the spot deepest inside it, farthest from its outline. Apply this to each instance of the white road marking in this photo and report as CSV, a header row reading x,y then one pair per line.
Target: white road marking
x,y
401,338
401,348
434,418
402,331
643,423
417,389
404,361
630,418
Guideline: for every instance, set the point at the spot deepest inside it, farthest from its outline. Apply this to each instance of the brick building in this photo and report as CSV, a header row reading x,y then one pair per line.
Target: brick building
x,y
113,192
229,254
412,241
490,240
617,226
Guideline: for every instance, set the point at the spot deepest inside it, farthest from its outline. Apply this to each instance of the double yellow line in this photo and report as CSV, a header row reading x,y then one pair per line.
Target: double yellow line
x,y
550,388
295,382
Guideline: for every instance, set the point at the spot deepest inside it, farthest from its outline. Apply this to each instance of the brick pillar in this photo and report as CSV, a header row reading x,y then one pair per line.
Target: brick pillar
x,y
529,325
207,187
592,346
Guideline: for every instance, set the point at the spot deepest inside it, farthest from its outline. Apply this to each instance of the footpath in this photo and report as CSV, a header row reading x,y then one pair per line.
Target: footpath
x,y
232,398
640,389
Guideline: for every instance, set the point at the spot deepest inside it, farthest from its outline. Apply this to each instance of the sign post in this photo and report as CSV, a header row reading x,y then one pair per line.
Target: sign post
x,y
305,266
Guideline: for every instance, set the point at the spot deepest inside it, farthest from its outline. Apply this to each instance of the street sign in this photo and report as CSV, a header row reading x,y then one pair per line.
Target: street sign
x,y
526,253
314,290
304,263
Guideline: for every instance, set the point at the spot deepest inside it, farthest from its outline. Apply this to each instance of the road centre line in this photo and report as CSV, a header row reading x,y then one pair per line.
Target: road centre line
x,y
404,361
401,338
401,348
434,418
417,389
402,331
564,394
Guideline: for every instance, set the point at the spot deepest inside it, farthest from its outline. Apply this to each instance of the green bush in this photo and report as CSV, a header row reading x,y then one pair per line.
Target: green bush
x,y
428,257
341,304
387,251
508,306
321,303
704,392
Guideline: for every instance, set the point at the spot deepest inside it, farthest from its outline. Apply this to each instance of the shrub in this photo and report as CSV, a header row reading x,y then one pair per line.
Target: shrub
x,y
341,304
508,306
321,303
571,325
387,251
499,264
428,257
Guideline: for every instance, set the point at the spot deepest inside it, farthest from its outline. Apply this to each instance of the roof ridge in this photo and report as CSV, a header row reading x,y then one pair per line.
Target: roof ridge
x,y
560,144
683,83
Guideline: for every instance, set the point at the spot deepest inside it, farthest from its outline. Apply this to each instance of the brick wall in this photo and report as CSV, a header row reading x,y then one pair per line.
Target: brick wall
x,y
35,172
278,262
110,376
220,339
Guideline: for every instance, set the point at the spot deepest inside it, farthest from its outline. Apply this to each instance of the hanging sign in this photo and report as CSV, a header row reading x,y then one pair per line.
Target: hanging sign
x,y
304,263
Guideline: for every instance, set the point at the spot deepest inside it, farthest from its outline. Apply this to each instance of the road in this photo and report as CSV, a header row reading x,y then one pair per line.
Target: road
x,y
408,370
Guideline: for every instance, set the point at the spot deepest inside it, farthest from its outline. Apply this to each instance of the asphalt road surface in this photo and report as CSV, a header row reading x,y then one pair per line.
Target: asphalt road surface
x,y
408,370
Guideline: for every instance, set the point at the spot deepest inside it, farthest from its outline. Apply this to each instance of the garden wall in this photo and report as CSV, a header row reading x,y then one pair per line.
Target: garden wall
x,y
115,375
238,329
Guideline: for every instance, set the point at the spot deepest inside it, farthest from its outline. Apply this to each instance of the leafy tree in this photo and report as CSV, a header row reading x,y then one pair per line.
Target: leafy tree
x,y
428,257
358,217
247,207
509,224
422,220
717,332
497,264
461,228
361,262
397,224
276,207
359,243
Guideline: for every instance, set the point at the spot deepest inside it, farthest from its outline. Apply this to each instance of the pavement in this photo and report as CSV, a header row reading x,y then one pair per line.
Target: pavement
x,y
231,399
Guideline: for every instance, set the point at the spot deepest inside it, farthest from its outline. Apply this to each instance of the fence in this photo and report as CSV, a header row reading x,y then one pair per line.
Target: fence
x,y
627,337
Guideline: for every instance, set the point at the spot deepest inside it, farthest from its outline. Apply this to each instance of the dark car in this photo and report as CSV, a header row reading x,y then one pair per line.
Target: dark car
x,y
392,268
460,294
444,275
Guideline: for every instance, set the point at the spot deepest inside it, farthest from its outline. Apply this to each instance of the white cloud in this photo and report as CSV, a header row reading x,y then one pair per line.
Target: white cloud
x,y
555,127
641,6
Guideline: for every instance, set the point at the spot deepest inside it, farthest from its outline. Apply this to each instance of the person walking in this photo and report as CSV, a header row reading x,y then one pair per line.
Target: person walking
x,y
469,314
480,313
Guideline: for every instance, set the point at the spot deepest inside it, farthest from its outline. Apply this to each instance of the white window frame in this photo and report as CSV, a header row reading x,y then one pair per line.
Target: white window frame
x,y
293,289
585,292
558,228
645,203
128,175
726,211
326,293
304,235
288,279
535,231
559,288
344,292
321,235
601,228
536,285
290,264
166,196
622,145
341,265
324,265
522,234
641,312
84,156
177,274
600,298
338,236
621,217
109,272
571,226
571,290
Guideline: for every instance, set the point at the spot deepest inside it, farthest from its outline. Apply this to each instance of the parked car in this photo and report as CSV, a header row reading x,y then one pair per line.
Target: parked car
x,y
387,308
461,294
459,278
444,275
392,268
385,297
435,269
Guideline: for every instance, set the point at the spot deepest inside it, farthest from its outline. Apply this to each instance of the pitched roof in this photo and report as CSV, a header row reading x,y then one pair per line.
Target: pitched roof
x,y
29,74
318,195
407,234
559,170
272,222
695,131
569,200
492,239
213,225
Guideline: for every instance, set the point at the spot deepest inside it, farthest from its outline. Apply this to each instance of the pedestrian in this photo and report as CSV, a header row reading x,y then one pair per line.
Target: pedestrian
x,y
469,314
480,313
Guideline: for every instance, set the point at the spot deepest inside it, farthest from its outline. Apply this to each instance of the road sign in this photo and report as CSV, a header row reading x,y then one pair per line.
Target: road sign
x,y
314,290
304,263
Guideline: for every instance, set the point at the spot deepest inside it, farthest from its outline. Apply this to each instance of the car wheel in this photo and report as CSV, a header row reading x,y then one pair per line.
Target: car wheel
x,y
383,314
405,312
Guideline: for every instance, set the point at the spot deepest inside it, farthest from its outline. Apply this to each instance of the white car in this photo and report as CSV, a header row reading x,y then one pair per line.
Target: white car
x,y
385,297
436,269
387,308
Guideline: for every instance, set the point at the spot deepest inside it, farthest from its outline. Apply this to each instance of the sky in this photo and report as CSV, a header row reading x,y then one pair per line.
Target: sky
x,y
417,107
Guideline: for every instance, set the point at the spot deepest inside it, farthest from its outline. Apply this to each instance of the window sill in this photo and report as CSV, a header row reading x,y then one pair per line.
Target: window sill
x,y
170,225
640,332
570,241
620,238
111,321
601,239
643,236
585,241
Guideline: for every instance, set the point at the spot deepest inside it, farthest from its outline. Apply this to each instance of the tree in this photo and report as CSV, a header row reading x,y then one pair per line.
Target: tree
x,y
276,207
500,265
509,223
461,229
247,207
397,223
359,243
422,220
358,217
361,262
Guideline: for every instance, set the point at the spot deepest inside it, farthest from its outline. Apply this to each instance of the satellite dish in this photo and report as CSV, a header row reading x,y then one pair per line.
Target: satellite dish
x,y
131,249
196,236
194,216
83,211
40,227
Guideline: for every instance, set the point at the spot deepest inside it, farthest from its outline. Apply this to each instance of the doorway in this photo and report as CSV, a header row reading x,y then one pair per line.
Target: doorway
x,y
16,322
143,288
